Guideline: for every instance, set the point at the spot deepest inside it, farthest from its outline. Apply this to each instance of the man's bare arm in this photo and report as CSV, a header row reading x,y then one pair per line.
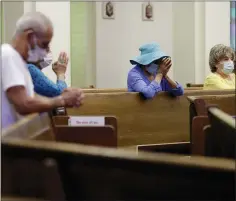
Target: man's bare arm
x,y
25,104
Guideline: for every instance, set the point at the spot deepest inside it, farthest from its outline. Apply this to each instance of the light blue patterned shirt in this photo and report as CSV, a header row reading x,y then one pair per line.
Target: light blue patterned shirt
x,y
43,85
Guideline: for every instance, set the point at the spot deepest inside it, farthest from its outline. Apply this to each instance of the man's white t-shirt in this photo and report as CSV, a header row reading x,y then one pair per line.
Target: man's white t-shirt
x,y
14,73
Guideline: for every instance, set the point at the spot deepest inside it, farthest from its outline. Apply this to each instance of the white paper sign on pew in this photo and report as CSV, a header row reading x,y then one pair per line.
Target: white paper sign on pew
x,y
86,121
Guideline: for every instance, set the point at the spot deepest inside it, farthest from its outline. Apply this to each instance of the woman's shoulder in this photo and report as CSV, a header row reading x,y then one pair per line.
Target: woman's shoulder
x,y
33,67
232,75
35,72
212,79
212,76
134,71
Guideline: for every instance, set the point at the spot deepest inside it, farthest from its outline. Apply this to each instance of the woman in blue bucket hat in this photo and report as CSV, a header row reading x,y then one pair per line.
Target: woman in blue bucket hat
x,y
149,76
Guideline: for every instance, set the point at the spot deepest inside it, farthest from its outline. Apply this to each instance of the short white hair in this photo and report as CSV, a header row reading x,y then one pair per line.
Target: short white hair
x,y
36,21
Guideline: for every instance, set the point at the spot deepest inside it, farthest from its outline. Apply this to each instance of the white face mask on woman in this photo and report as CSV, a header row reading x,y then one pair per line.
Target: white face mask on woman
x,y
228,67
47,60
36,54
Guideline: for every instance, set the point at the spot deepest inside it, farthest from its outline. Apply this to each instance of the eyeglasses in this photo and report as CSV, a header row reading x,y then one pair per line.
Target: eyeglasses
x,y
42,42
45,44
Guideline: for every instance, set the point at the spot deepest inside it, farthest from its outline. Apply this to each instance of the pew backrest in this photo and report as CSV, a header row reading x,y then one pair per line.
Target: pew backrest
x,y
143,121
13,198
120,90
64,121
101,90
199,104
189,85
96,135
35,126
225,102
24,175
221,137
92,173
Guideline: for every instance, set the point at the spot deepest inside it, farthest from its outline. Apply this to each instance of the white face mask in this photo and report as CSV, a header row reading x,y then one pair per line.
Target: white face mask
x,y
228,67
36,54
47,60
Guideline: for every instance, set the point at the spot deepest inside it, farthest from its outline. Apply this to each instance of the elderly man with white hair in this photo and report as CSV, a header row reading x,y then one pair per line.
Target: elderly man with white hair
x,y
31,39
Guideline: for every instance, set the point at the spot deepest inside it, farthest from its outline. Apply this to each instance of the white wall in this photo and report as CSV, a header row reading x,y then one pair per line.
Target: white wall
x,y
199,42
183,42
12,12
217,26
59,13
29,6
118,40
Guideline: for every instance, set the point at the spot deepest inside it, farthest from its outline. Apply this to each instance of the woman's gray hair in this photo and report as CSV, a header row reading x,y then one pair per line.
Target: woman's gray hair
x,y
219,52
36,21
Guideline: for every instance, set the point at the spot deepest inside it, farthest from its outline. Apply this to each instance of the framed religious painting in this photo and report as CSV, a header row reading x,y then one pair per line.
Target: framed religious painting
x,y
108,10
147,11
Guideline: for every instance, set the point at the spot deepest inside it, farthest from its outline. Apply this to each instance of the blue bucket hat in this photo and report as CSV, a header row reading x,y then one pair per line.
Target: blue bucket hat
x,y
149,53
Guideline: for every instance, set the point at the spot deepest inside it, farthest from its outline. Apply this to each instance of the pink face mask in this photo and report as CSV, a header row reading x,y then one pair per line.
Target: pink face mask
x,y
36,54
47,61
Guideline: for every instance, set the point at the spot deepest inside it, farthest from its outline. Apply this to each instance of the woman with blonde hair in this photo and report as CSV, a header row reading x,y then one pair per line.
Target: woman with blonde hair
x,y
221,61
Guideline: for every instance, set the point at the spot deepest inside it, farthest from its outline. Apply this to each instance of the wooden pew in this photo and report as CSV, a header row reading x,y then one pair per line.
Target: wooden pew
x,y
199,118
118,90
21,199
92,173
35,126
221,135
189,85
122,90
172,148
96,135
89,87
63,121
28,177
198,136
144,121
101,90
40,127
193,88
225,101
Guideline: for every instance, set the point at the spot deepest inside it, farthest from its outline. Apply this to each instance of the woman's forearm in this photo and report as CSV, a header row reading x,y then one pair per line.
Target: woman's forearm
x,y
61,77
172,83
159,77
